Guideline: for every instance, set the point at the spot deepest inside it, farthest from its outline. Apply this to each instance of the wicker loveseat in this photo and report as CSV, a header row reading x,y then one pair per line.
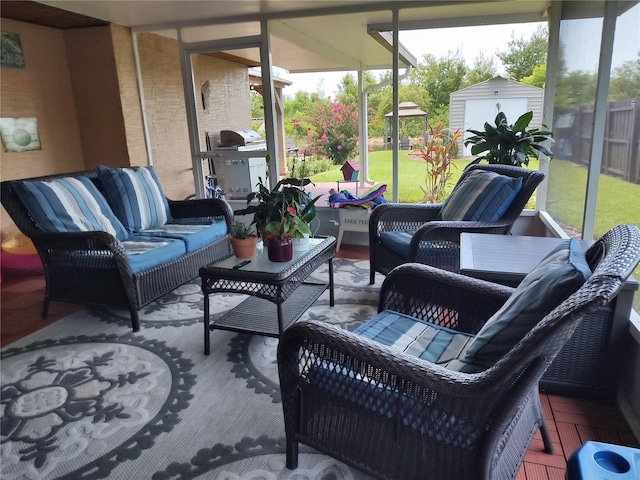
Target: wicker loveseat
x,y
98,260
381,402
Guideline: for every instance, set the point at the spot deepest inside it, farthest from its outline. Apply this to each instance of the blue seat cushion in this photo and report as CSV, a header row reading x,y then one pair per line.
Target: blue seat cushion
x,y
70,204
136,197
481,196
399,242
145,252
415,337
194,235
557,276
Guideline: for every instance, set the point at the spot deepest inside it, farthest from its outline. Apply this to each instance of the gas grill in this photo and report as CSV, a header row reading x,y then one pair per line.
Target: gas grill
x,y
238,174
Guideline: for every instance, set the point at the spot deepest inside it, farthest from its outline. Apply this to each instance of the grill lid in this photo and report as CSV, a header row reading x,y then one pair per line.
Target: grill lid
x,y
239,138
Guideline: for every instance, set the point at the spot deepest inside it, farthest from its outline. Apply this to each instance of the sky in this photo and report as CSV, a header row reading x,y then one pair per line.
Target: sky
x,y
471,41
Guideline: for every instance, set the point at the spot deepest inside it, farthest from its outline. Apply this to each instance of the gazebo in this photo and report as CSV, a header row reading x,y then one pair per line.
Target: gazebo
x,y
405,109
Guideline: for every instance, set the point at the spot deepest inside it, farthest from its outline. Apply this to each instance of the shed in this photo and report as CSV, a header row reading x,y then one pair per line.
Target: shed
x,y
471,107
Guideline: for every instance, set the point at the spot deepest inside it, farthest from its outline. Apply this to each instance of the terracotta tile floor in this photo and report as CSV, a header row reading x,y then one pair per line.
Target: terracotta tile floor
x,y
571,421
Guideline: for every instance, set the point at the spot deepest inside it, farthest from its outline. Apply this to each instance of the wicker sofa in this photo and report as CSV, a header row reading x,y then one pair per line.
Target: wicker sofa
x,y
394,399
108,263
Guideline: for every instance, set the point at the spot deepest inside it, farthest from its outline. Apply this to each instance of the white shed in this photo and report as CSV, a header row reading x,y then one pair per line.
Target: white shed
x,y
471,107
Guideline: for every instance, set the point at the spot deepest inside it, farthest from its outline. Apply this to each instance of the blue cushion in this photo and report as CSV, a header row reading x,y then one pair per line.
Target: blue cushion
x,y
194,235
70,204
136,196
558,275
144,252
482,196
397,241
415,337
400,241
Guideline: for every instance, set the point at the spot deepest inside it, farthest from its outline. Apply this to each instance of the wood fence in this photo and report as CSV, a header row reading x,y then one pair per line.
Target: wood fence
x,y
573,133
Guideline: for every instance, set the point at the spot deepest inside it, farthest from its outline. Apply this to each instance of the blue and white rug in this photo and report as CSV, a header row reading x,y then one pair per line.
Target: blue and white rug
x,y
87,398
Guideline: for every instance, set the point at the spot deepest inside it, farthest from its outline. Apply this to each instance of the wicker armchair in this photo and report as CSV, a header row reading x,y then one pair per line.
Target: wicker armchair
x,y
91,268
398,417
437,242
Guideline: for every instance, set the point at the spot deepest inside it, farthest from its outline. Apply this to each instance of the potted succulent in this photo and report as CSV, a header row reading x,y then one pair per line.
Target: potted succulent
x,y
281,214
243,239
509,144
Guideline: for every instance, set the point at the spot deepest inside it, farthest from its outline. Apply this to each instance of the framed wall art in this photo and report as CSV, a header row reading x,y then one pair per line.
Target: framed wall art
x,y
19,134
11,51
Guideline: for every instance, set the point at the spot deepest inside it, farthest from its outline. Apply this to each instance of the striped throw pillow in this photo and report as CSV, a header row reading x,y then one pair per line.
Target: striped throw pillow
x,y
136,197
558,275
482,196
70,204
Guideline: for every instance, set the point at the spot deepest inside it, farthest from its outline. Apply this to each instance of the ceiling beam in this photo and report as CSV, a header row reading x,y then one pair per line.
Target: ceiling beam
x,y
301,39
460,22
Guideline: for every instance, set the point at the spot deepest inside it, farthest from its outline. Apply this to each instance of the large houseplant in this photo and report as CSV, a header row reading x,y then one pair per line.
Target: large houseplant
x,y
509,144
281,214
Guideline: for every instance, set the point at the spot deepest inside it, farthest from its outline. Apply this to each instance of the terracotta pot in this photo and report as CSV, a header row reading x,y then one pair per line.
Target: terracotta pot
x,y
280,250
244,247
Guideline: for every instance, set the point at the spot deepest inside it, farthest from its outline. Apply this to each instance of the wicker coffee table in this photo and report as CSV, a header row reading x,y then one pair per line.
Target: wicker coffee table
x,y
278,293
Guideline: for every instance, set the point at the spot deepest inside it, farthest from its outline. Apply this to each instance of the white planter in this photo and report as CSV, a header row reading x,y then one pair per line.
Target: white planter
x,y
301,244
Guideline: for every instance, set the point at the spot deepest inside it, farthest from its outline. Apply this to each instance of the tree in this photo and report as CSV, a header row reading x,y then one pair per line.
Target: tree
x,y
294,109
522,55
257,105
625,81
332,129
483,69
439,77
538,77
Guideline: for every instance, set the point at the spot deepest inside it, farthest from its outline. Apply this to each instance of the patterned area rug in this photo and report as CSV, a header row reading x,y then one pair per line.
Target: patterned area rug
x,y
87,398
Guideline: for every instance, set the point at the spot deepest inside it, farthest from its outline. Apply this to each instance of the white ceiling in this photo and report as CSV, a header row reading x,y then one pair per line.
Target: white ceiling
x,y
306,35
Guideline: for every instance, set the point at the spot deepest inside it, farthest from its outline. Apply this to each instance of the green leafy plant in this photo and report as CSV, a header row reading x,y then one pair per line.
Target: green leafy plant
x,y
509,144
241,230
438,155
282,212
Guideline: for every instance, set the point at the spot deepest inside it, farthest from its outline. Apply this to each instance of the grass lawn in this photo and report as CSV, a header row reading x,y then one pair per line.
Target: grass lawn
x,y
618,201
411,174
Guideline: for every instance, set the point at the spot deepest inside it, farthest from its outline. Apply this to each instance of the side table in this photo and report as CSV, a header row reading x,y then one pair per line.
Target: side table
x,y
587,364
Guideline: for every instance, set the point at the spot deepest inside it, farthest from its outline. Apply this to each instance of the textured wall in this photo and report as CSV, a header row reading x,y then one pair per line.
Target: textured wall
x,y
129,95
41,90
228,106
227,101
166,113
97,96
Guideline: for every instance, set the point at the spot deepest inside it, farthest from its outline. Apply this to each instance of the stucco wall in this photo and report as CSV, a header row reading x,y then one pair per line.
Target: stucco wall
x,y
42,90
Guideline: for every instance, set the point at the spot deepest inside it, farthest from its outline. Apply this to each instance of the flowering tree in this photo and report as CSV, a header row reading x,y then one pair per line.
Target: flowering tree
x,y
332,129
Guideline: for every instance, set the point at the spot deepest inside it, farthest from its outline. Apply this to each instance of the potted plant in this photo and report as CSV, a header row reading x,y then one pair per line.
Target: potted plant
x,y
243,239
509,144
281,214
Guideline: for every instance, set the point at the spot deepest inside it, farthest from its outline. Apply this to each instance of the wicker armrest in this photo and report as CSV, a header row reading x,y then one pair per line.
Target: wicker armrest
x,y
399,216
201,208
441,297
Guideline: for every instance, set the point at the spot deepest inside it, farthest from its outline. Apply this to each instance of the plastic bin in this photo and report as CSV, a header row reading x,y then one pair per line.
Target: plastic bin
x,y
603,461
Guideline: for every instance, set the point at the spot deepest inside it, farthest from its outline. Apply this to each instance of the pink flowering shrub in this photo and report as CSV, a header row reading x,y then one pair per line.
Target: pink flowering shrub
x,y
331,130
